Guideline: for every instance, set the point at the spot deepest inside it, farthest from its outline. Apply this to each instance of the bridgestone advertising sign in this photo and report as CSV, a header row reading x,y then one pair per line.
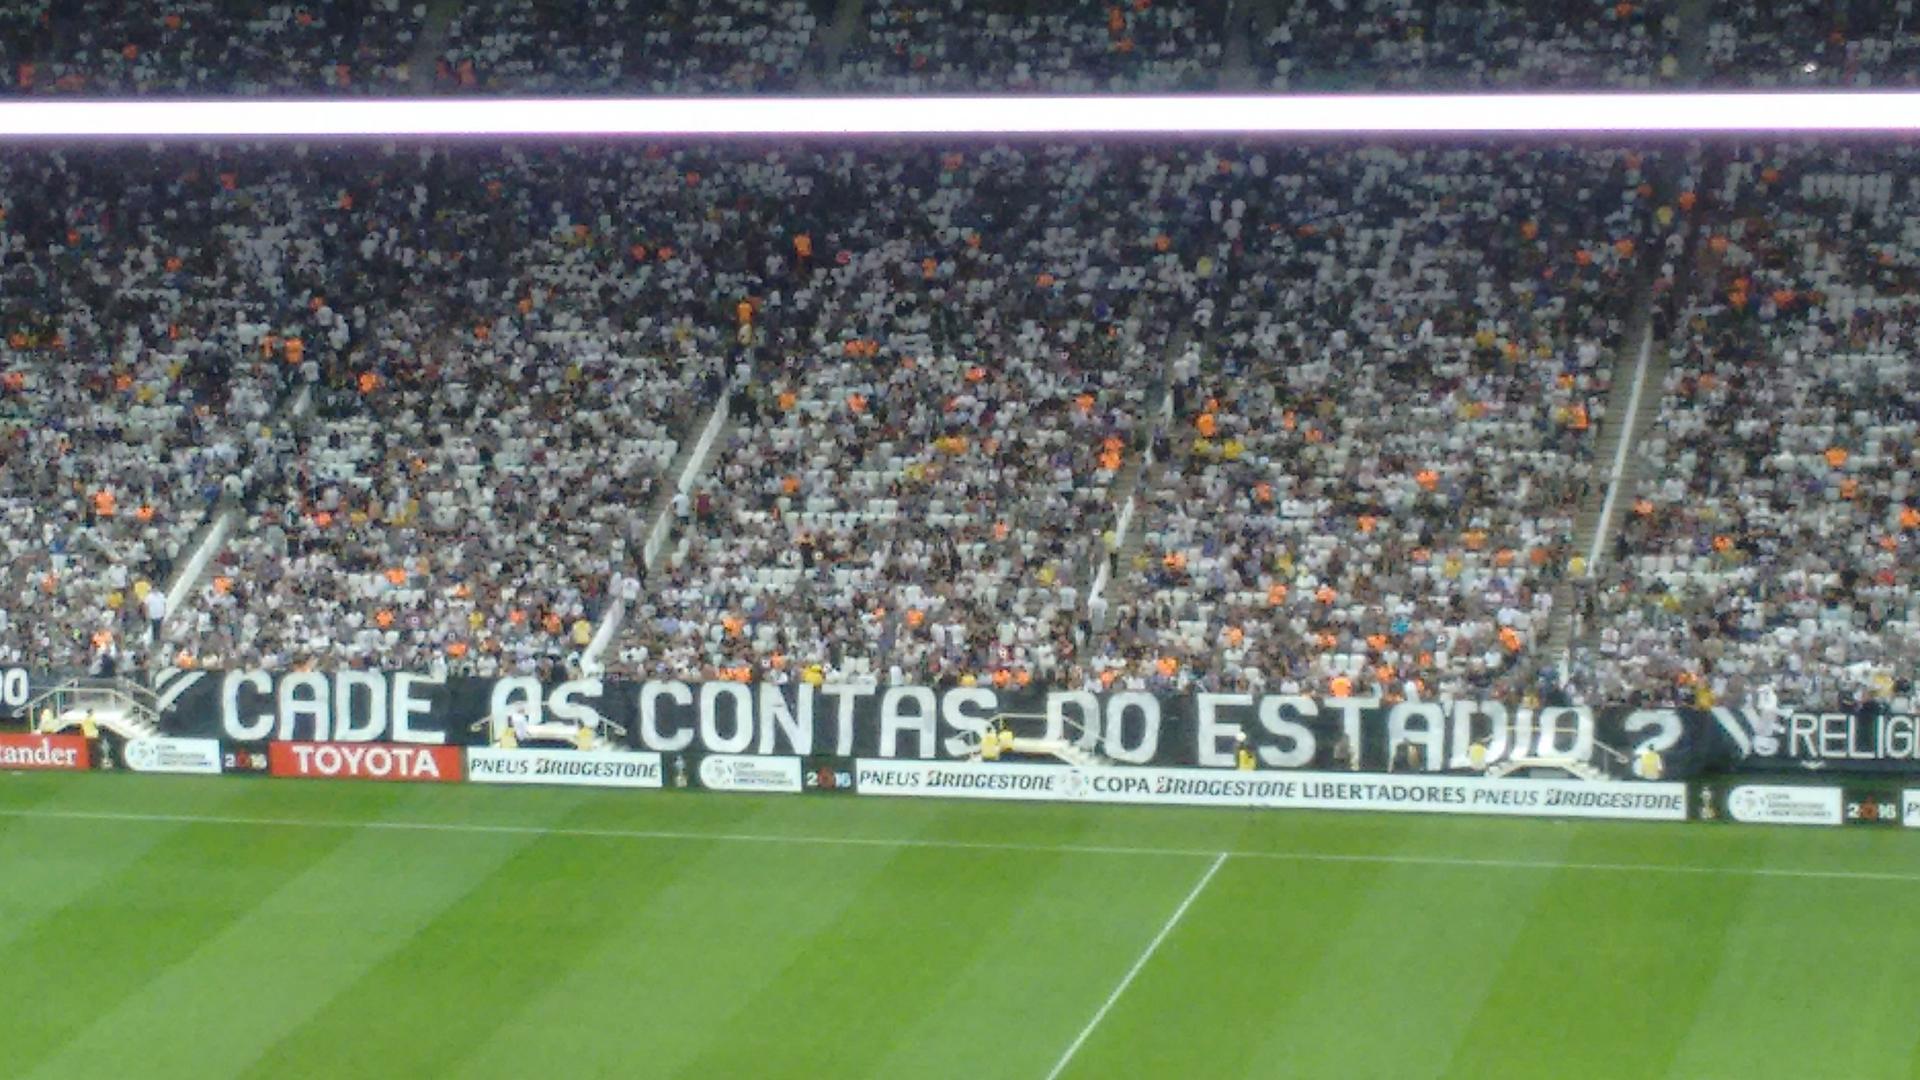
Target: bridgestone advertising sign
x,y
573,768
1306,791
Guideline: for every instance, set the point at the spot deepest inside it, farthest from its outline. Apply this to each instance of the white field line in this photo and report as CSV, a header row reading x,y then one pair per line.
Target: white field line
x,y
1442,861
1127,980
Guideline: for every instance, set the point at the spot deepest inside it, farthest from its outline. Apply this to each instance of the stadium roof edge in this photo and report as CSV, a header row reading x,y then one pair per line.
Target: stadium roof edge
x,y
1272,116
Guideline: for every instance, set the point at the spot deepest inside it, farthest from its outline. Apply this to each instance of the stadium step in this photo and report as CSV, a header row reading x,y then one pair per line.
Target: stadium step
x,y
1236,61
831,42
1131,488
689,465
207,543
1631,403
1607,506
431,45
121,706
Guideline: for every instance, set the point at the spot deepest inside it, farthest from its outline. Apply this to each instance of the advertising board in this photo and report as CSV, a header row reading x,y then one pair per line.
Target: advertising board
x,y
364,761
68,753
1784,804
571,768
161,754
1314,791
740,772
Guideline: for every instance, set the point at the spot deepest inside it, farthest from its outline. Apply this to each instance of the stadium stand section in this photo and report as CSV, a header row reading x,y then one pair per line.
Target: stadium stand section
x,y
946,391
134,286
1813,43
946,46
1237,416
517,376
1393,45
1373,474
628,47
1082,46
1768,540
199,47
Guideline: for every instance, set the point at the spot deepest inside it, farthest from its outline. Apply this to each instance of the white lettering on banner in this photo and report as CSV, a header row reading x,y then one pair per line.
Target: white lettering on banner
x,y
651,733
348,706
367,723
1814,738
1785,804
575,768
740,719
736,718
1117,745
1086,721
407,705
924,723
1216,737
1276,716
848,697
1580,733
1910,809
1307,791
168,755
971,727
1665,726
896,719
736,772
1422,724
374,762
16,688
776,717
44,752
43,756
528,698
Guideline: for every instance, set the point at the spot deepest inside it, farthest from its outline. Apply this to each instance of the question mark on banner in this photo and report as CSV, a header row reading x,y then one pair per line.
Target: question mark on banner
x,y
1666,726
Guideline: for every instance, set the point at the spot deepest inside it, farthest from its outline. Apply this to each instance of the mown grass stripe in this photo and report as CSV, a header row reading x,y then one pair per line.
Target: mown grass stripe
x,y
974,845
233,972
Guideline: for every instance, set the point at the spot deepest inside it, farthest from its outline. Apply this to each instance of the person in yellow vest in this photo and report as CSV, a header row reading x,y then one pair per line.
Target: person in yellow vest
x,y
90,731
990,744
1243,754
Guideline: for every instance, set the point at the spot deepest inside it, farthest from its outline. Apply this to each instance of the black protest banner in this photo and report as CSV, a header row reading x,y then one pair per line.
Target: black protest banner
x,y
1869,740
925,723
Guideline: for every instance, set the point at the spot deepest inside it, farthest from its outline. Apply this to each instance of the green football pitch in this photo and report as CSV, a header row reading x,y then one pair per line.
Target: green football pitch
x,y
167,927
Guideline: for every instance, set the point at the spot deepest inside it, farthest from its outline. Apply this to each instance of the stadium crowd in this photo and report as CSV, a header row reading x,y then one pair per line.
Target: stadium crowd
x,y
943,46
1768,542
200,47
1081,46
1394,45
939,406
437,396
628,46
1373,475
135,287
